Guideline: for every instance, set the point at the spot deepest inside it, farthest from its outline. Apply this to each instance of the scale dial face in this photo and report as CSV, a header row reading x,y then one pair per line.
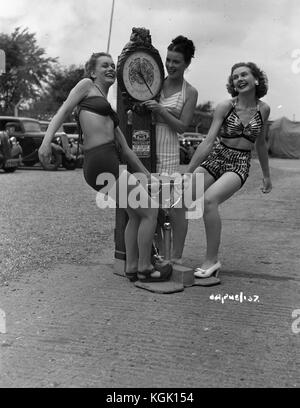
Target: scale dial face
x,y
142,76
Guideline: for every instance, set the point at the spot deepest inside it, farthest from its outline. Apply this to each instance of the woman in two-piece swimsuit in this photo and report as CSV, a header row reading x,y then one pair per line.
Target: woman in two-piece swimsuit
x,y
225,165
102,141
174,113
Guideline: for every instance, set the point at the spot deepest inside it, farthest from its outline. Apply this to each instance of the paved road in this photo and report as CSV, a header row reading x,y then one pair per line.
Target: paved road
x,y
291,164
71,322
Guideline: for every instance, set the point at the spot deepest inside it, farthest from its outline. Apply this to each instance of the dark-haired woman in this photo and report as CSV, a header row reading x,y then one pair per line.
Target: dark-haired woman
x,y
174,113
102,135
225,165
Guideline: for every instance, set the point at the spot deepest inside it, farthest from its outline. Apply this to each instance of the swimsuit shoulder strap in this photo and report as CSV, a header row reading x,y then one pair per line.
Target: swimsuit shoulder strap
x,y
231,109
258,106
162,94
100,90
259,112
183,90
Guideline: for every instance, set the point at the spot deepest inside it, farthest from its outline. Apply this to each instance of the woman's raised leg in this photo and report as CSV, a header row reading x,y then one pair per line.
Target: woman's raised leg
x,y
217,193
179,219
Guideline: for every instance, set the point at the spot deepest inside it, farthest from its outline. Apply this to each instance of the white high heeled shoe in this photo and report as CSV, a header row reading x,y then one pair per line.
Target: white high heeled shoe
x,y
206,273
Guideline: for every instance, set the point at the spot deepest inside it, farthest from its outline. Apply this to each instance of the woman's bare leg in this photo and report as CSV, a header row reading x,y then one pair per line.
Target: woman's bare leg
x,y
179,224
130,237
216,194
179,219
139,232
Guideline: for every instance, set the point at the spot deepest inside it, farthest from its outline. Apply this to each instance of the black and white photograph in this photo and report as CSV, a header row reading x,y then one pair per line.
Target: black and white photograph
x,y
150,197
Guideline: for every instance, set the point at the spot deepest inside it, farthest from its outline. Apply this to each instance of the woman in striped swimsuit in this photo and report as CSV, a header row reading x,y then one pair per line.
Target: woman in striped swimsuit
x,y
225,165
167,144
174,113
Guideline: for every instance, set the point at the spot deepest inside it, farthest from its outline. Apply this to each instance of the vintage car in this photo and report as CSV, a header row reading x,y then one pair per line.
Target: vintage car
x,y
44,125
189,142
63,139
69,128
28,133
10,152
72,131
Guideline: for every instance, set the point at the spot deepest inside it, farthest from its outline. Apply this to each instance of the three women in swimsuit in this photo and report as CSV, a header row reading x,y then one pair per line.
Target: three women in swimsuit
x,y
225,165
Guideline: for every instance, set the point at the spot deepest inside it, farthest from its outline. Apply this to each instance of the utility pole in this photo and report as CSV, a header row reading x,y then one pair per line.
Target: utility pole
x,y
2,62
2,71
110,24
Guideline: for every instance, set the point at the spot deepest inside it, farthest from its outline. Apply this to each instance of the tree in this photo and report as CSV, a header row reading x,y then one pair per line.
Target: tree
x,y
27,69
202,117
61,82
205,107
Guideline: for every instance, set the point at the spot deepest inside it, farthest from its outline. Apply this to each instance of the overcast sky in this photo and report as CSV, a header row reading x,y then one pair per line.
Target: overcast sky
x,y
224,32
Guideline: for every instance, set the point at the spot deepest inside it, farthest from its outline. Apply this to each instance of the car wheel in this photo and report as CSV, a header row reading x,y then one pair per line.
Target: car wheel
x,y
79,162
69,164
55,161
9,169
182,157
29,163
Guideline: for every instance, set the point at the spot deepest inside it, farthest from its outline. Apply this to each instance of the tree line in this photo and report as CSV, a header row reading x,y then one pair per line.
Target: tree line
x,y
34,84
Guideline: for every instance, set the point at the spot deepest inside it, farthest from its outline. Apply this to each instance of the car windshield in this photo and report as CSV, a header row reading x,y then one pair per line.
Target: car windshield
x,y
70,129
31,126
44,126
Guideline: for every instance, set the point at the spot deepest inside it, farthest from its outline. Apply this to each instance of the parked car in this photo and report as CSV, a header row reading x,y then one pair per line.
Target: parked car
x,y
10,153
189,142
44,125
28,133
61,139
71,129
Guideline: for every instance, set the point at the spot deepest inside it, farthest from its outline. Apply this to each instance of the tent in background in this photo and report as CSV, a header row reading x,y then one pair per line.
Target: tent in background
x,y
284,139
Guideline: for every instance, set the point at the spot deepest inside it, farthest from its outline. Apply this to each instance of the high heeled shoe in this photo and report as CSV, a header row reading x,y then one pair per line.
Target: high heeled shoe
x,y
213,271
131,275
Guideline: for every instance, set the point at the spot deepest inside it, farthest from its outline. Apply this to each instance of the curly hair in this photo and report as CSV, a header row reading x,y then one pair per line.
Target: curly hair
x,y
91,63
184,46
261,88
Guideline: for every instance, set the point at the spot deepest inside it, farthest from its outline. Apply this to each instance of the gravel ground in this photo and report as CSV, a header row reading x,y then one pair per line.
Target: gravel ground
x,y
51,217
48,218
72,322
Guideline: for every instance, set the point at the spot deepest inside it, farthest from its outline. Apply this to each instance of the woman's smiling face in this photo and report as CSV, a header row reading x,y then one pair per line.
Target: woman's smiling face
x,y
105,70
243,79
175,64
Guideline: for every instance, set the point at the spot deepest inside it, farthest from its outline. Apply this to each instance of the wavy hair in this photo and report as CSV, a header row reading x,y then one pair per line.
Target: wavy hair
x,y
261,88
91,63
184,46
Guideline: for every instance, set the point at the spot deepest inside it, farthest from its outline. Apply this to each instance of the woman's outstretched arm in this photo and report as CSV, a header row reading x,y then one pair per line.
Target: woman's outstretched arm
x,y
180,125
206,146
75,96
262,151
